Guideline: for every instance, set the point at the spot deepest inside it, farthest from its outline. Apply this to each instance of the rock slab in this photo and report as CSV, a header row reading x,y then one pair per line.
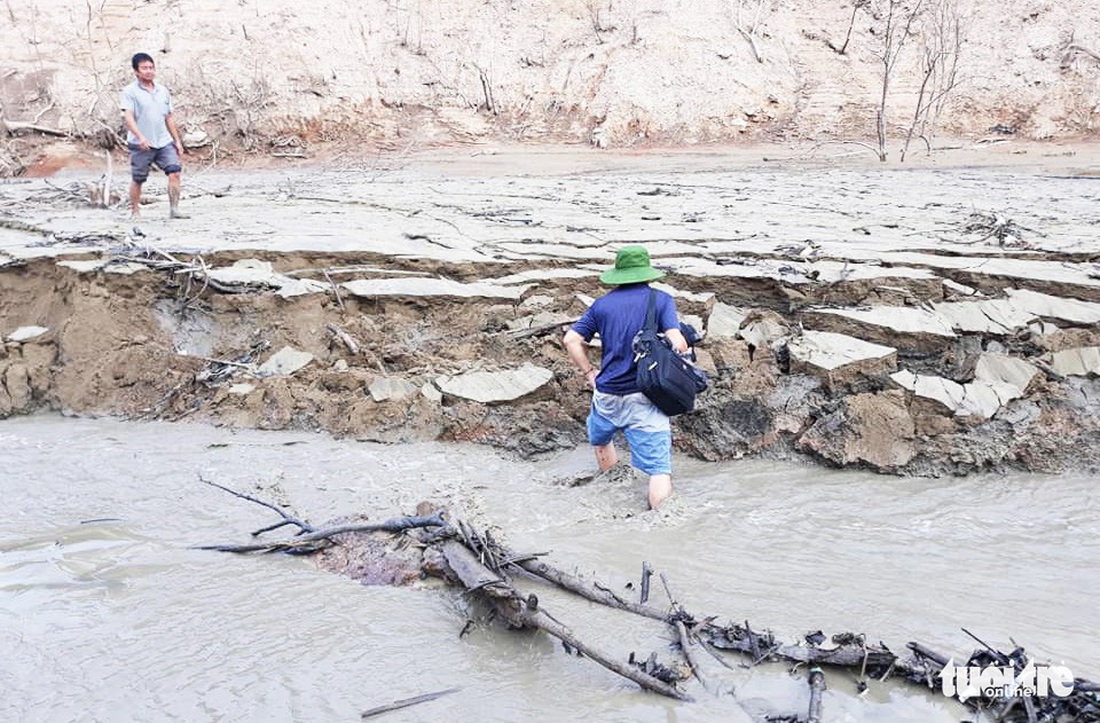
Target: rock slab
x,y
495,387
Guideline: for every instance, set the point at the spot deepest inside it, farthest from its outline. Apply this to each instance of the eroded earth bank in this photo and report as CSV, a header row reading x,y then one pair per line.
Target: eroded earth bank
x,y
937,320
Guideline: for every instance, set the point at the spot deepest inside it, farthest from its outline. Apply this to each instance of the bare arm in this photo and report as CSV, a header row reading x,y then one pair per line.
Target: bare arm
x,y
676,338
170,121
577,348
131,125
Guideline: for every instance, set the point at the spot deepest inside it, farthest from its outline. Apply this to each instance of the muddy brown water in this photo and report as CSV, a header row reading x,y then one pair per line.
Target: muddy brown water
x,y
106,614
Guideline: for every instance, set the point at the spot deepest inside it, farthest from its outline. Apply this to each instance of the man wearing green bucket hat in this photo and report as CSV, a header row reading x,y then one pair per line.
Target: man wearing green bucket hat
x,y
617,404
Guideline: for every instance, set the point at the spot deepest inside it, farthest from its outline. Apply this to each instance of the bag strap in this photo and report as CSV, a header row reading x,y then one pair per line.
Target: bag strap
x,y
651,312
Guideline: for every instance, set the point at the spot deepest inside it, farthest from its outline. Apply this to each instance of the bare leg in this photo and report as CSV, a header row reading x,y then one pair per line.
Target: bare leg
x,y
660,489
174,196
606,456
135,199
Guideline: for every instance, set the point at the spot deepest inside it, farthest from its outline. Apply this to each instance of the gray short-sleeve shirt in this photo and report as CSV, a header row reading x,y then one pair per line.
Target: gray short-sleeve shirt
x,y
150,108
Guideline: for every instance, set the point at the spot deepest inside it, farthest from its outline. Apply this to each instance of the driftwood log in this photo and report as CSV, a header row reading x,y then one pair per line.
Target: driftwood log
x,y
488,570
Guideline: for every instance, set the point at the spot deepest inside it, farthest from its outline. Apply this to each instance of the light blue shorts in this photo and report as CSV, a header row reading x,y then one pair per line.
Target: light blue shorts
x,y
646,428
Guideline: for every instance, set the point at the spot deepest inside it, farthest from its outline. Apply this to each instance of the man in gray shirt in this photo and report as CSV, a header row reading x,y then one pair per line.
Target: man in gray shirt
x,y
152,135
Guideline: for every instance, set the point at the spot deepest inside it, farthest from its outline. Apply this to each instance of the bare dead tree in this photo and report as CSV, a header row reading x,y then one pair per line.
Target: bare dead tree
x,y
941,35
843,49
485,77
595,12
1073,50
748,29
897,18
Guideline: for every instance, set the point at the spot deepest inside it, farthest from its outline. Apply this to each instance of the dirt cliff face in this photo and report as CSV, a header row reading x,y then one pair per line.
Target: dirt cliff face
x,y
287,77
151,345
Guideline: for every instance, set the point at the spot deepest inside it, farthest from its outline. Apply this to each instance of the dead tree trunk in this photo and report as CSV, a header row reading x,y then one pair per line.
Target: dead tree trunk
x,y
482,566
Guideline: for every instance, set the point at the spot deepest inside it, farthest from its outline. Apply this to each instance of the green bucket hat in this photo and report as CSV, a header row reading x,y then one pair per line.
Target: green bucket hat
x,y
631,267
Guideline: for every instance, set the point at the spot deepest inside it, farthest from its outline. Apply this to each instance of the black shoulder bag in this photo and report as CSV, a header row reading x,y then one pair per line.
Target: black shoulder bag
x,y
666,378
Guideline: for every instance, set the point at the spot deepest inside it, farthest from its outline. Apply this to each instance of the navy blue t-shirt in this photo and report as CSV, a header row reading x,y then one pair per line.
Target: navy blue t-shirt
x,y
617,317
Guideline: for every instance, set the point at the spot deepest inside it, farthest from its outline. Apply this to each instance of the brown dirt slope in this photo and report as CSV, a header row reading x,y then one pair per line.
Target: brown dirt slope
x,y
282,76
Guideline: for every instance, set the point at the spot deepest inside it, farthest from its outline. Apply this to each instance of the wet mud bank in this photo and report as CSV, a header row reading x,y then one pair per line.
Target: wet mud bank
x,y
924,370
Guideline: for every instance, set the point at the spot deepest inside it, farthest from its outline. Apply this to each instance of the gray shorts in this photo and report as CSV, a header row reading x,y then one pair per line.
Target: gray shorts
x,y
141,161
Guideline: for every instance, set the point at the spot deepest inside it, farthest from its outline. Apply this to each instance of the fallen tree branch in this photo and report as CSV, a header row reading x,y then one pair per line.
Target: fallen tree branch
x,y
343,336
287,519
523,612
480,564
302,542
14,127
587,590
406,702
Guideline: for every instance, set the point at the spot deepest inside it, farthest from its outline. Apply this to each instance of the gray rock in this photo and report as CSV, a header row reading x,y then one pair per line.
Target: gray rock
x,y
762,329
999,381
284,362
431,392
1021,413
828,351
537,301
300,287
1055,308
246,272
993,316
495,387
946,393
901,319
953,287
903,327
983,400
724,320
1020,308
26,333
195,138
386,388
445,288
838,360
1015,373
1081,361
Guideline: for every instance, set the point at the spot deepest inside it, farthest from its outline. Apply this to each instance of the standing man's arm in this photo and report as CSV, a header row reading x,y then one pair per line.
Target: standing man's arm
x,y
132,126
575,346
170,122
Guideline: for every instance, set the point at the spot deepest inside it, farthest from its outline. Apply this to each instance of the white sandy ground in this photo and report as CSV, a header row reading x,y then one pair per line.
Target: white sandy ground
x,y
497,204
